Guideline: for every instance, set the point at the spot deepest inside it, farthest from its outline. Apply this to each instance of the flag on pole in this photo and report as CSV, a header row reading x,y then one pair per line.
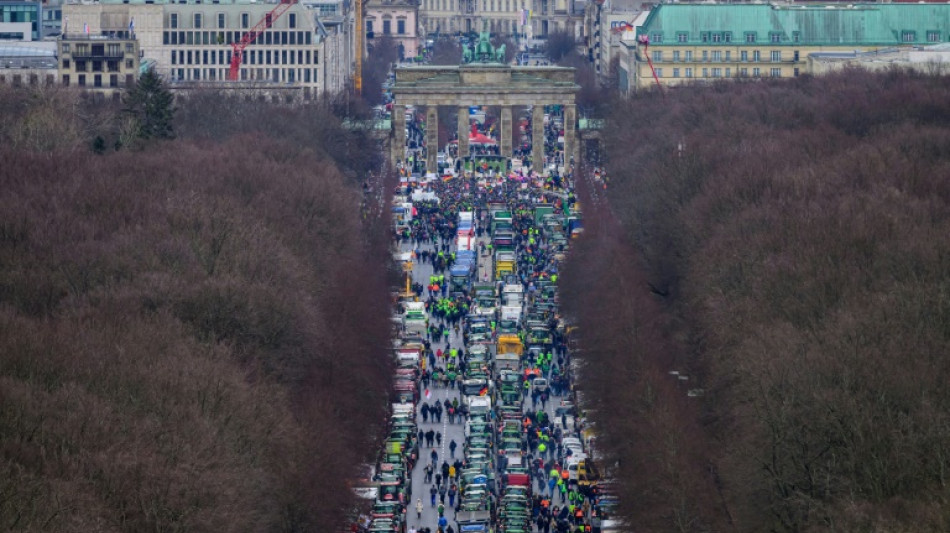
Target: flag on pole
x,y
524,17
131,25
85,27
65,24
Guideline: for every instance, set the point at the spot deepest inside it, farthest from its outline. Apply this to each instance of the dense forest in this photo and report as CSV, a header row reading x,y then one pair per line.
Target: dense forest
x,y
191,335
783,246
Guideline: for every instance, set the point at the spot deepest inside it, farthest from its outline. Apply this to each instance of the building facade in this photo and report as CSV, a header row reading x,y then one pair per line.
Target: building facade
x,y
606,25
21,21
398,19
28,63
508,18
690,43
97,63
190,41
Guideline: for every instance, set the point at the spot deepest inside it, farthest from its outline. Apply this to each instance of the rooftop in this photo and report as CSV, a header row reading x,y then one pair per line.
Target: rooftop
x,y
799,24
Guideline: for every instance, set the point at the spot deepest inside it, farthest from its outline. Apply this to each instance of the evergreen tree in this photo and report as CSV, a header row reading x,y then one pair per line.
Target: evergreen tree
x,y
152,106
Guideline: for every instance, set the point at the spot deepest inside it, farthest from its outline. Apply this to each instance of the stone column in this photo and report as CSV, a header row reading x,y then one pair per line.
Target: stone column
x,y
505,131
432,138
537,137
463,131
399,133
570,134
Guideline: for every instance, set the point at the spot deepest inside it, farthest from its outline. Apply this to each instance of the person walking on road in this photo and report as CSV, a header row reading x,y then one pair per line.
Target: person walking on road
x,y
452,446
438,438
419,508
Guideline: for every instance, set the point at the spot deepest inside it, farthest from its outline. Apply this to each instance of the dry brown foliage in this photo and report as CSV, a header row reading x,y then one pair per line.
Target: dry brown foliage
x,y
193,337
799,231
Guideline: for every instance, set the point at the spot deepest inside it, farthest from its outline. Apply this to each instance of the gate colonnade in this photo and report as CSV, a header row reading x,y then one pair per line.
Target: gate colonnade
x,y
491,84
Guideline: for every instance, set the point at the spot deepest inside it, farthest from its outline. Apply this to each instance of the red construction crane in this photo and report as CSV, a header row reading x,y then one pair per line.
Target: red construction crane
x,y
237,49
645,41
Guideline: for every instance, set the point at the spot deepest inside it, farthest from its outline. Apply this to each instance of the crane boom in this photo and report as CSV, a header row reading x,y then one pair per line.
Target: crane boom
x,y
237,49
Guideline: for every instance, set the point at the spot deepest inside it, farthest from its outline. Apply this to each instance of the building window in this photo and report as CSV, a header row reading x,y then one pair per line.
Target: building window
x,y
682,37
743,73
705,72
776,73
386,27
704,36
933,36
756,56
727,36
65,80
659,73
705,56
744,55
689,72
728,72
689,55
796,36
775,37
173,20
676,55
676,73
80,66
717,37
221,20
245,20
658,55
728,55
66,64
65,48
717,73
81,80
369,28
197,21
776,56
750,37
908,36
401,26
717,55
656,38
796,72
113,80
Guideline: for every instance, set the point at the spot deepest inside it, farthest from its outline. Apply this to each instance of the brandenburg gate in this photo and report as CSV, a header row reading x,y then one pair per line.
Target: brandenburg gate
x,y
483,79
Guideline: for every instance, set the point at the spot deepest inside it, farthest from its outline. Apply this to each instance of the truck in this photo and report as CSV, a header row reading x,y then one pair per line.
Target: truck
x,y
501,221
540,210
507,361
512,294
504,264
414,321
509,343
575,226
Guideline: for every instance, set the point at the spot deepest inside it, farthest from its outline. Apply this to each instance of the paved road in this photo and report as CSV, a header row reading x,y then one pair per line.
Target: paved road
x,y
420,489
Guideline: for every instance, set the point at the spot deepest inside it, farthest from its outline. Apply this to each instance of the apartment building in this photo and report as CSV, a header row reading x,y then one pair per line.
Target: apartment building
x,y
509,18
190,41
100,64
21,20
398,19
690,43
